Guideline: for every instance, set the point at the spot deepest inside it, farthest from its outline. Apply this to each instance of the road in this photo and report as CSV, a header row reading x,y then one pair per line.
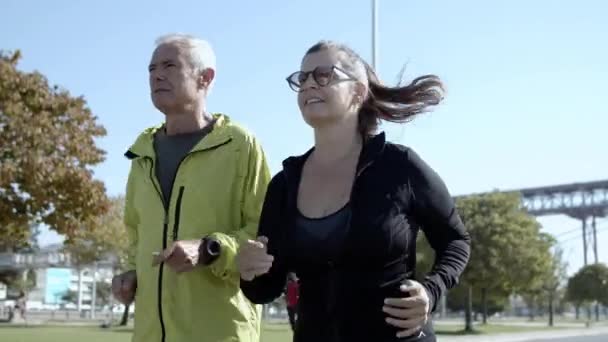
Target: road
x,y
596,338
598,334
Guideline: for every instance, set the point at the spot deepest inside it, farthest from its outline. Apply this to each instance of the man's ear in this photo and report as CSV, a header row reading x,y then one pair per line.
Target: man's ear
x,y
206,77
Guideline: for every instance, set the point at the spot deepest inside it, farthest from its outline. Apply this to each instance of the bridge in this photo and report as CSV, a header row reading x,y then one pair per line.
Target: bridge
x,y
582,201
577,200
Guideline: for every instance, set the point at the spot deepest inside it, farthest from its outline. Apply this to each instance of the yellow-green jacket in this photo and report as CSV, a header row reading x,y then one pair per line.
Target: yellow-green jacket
x,y
218,191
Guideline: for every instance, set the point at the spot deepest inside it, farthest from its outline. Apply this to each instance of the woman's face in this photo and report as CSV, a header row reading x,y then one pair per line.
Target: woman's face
x,y
326,91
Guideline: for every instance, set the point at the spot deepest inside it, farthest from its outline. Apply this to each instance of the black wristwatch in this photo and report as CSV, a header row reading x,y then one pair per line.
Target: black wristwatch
x,y
209,250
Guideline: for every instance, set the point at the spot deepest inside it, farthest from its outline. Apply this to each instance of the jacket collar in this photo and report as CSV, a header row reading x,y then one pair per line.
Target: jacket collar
x,y
144,144
372,148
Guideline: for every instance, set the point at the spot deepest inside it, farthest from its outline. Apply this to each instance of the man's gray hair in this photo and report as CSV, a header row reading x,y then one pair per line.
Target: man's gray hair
x,y
200,52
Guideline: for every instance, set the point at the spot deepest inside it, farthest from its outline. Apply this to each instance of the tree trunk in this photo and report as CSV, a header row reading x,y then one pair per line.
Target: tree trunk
x,y
125,316
469,310
531,310
551,309
484,304
578,312
597,312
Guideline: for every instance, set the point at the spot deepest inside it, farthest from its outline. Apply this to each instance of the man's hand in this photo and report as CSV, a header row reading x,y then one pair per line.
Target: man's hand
x,y
124,286
181,256
408,313
253,259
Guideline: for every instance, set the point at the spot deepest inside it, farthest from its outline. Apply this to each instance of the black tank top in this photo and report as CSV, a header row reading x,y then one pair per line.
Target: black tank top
x,y
324,235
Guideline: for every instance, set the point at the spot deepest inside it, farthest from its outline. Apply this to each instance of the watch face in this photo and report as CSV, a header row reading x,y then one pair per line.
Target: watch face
x,y
213,247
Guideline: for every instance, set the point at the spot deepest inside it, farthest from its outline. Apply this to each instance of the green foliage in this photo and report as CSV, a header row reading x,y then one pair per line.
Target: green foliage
x,y
589,284
508,252
104,236
47,149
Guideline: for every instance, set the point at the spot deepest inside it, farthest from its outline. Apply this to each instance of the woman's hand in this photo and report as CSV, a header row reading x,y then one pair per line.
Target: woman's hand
x,y
409,313
253,259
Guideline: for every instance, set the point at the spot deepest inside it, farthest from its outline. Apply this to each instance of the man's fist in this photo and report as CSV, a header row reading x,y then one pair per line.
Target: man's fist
x,y
124,286
181,256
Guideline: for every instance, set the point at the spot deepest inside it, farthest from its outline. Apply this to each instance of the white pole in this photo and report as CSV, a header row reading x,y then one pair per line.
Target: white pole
x,y
375,34
94,290
79,305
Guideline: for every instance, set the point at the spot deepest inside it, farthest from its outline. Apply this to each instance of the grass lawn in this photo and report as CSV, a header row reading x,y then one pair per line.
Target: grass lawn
x,y
62,334
279,333
272,333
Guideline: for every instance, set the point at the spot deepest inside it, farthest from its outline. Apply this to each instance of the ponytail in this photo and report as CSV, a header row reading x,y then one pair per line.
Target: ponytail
x,y
397,104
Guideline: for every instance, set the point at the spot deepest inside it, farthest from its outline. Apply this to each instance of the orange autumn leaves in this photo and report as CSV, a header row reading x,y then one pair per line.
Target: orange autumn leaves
x,y
47,149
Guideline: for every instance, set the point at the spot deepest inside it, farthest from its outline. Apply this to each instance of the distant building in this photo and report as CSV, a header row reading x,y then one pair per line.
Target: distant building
x,y
56,277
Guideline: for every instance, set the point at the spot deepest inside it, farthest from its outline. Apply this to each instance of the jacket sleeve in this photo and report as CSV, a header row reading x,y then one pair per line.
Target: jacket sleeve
x,y
256,178
269,286
435,210
131,221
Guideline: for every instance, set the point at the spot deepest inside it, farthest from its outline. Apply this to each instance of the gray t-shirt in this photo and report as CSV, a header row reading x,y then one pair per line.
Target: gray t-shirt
x,y
170,151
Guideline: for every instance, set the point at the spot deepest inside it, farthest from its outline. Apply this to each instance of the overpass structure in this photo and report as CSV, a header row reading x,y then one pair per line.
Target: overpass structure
x,y
582,201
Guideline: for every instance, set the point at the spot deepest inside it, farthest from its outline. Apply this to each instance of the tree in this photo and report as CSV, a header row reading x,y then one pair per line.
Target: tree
x,y
104,238
70,296
540,276
47,149
504,252
456,301
25,282
25,241
574,294
425,256
103,293
554,281
589,284
495,300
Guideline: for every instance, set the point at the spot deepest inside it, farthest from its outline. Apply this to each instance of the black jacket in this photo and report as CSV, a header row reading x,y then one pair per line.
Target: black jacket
x,y
394,193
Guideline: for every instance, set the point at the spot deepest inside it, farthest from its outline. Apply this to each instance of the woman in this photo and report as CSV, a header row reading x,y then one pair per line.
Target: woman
x,y
345,215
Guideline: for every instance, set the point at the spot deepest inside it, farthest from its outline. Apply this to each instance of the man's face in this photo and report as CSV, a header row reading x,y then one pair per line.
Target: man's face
x,y
174,83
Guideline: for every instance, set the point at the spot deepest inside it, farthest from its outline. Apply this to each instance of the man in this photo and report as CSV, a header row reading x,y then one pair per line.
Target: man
x,y
195,191
291,299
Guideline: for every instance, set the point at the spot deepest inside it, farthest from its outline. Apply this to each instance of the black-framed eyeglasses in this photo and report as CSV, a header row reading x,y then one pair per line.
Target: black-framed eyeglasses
x,y
322,75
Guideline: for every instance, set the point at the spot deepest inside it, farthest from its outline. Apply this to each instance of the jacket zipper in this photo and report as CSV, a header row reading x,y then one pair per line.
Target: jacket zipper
x,y
161,267
333,286
166,229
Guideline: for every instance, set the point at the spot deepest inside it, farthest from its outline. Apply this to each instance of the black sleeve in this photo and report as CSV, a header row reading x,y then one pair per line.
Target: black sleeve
x,y
435,210
267,287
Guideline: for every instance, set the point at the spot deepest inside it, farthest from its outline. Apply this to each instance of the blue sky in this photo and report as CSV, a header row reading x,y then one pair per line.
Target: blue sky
x,y
526,79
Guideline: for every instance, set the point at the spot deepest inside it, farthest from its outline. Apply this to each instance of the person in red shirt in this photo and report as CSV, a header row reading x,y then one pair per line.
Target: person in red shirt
x,y
291,297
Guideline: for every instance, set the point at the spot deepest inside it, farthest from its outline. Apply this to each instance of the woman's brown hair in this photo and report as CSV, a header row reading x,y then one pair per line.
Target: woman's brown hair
x,y
394,104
